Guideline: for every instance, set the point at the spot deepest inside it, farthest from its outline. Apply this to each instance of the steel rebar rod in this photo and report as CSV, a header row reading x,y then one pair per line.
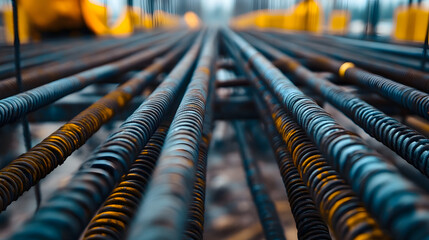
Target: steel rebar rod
x,y
346,153
307,218
398,73
14,107
40,76
406,142
122,203
318,40
68,211
70,54
195,222
338,204
267,212
335,200
29,168
407,97
34,49
174,176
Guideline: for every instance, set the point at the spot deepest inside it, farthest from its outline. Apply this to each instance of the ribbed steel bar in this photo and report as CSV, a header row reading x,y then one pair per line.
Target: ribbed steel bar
x,y
29,168
318,40
337,203
71,54
113,218
386,61
68,211
34,49
163,214
398,49
12,108
406,142
385,193
267,212
408,97
392,48
40,76
333,197
195,221
398,73
308,220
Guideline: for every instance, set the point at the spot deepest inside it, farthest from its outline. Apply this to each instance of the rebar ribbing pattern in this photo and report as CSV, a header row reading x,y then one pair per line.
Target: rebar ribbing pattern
x,y
398,73
365,170
29,168
163,214
14,107
267,212
337,203
335,200
409,98
307,218
114,217
308,221
386,64
147,180
406,142
195,222
90,186
40,76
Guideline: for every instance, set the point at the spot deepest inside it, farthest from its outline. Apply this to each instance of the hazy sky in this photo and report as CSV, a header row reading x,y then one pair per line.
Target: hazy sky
x,y
217,11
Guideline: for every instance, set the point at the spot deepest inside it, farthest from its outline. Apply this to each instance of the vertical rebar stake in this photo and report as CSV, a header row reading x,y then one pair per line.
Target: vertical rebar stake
x,y
425,47
24,121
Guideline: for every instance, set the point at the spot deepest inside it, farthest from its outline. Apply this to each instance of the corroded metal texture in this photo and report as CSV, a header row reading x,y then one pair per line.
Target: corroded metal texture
x,y
406,142
71,54
148,179
91,185
114,217
408,97
14,107
360,166
195,221
336,201
28,169
170,191
266,210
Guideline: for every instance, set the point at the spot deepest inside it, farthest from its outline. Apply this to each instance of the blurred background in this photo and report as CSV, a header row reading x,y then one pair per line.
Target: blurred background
x,y
403,20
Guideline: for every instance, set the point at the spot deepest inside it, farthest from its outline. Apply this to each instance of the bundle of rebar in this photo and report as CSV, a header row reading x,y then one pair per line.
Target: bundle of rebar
x,y
147,180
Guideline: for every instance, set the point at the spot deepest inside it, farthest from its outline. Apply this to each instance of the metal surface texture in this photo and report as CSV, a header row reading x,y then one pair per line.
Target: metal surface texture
x,y
408,97
43,75
406,142
195,222
32,166
179,158
329,191
308,220
100,173
361,166
122,203
266,209
15,106
342,133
